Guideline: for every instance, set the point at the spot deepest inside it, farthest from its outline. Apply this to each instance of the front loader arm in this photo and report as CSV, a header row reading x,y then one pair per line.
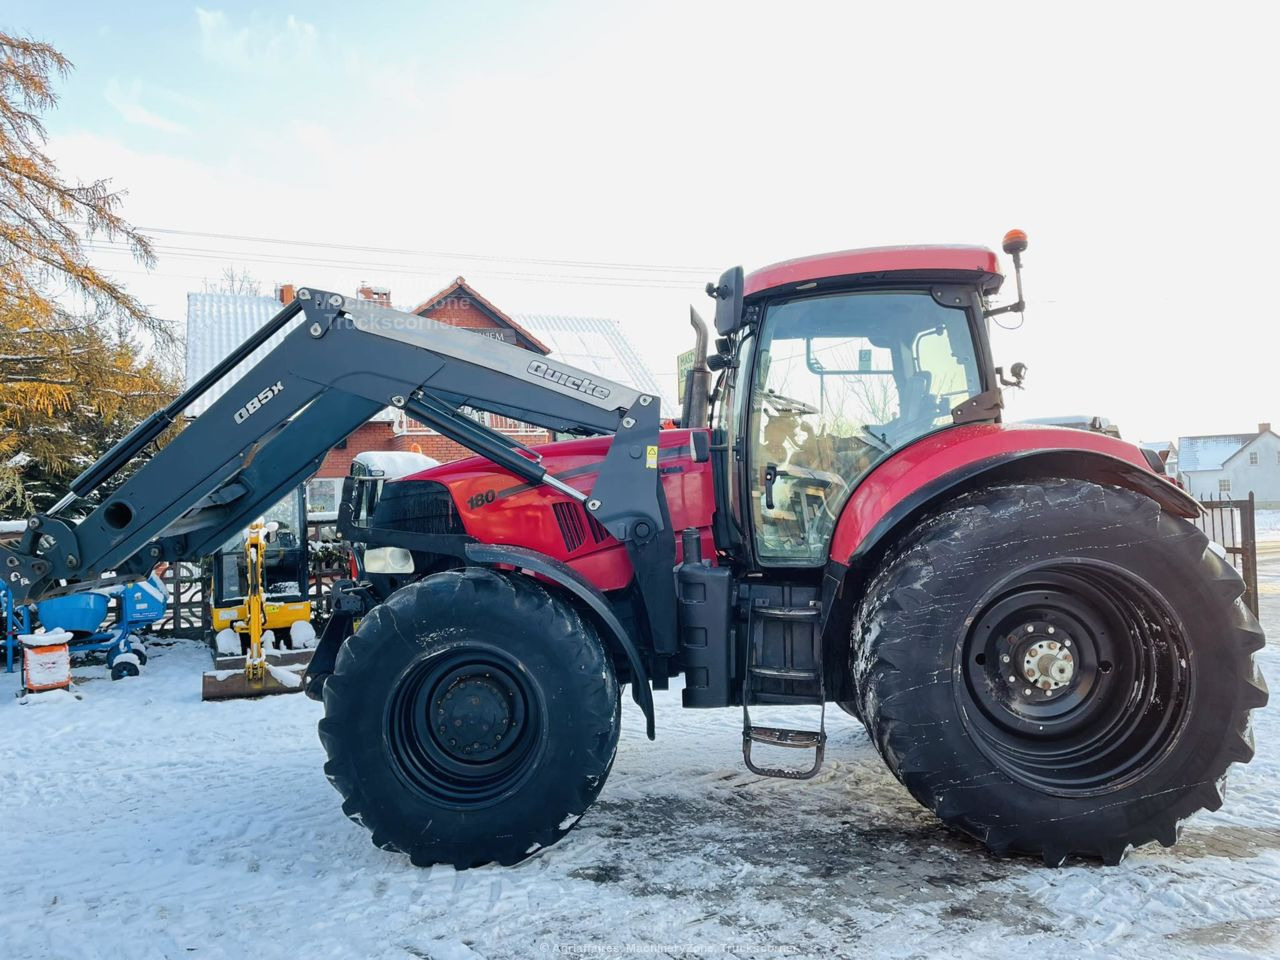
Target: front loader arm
x,y
340,362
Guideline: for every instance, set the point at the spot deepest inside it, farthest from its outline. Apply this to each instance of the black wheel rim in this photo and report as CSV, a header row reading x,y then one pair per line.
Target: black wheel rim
x,y
464,726
1077,678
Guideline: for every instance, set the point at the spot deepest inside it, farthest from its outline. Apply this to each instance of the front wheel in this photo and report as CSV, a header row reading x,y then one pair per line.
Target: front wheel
x,y
471,718
1058,668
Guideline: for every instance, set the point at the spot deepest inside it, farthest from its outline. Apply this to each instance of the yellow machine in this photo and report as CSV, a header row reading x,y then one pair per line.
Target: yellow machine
x,y
258,600
282,572
255,608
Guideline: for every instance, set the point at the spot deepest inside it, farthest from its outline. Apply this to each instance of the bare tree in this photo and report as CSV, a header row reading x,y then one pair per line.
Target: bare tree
x,y
240,282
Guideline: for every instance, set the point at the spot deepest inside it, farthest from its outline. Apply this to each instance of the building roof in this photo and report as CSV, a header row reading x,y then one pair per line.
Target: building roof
x,y
460,286
217,323
597,345
1210,452
1159,446
1078,421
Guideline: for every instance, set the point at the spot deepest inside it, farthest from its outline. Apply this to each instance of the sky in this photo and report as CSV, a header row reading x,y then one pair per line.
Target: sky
x,y
607,160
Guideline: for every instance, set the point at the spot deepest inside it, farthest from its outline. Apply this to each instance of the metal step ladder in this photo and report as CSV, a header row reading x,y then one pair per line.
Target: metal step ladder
x,y
800,632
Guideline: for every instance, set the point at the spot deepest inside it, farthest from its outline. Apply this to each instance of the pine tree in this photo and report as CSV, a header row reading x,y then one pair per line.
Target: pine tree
x,y
79,355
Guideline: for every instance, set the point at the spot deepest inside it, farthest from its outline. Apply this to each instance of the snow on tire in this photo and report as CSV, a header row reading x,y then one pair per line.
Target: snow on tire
x,y
1058,668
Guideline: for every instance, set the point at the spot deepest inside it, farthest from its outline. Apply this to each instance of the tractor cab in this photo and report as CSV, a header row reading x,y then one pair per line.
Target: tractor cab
x,y
831,364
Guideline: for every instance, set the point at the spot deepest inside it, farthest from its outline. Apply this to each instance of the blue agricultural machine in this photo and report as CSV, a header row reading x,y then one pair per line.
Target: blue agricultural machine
x,y
89,620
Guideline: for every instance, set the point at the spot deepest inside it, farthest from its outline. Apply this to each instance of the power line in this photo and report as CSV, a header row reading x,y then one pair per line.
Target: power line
x,y
403,269
437,254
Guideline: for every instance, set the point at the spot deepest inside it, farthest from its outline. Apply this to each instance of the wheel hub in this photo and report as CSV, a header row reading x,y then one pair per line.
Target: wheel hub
x,y
1048,664
473,717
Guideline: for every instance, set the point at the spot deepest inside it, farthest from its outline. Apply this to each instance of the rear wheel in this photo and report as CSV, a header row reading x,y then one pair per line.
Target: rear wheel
x,y
1058,668
473,717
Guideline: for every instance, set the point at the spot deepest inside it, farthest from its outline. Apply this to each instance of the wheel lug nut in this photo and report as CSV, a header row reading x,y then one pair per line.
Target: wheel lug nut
x,y
1005,658
1026,692
1031,628
1050,630
1013,679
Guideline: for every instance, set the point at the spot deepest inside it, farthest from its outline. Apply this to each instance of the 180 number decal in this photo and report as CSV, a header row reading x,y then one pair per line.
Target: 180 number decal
x,y
478,500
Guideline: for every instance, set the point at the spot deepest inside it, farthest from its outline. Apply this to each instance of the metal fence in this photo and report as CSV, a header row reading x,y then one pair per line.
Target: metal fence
x,y
188,611
1232,524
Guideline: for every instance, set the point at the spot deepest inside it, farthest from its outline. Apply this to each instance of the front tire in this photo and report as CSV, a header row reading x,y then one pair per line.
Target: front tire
x,y
1058,668
471,718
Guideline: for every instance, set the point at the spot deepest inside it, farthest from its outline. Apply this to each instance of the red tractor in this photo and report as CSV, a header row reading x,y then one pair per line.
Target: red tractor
x,y
1045,650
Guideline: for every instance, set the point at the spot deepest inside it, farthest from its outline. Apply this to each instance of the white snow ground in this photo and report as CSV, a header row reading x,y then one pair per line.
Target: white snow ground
x,y
141,822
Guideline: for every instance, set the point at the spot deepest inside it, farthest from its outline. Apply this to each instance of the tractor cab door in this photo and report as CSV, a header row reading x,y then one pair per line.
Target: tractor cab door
x,y
839,382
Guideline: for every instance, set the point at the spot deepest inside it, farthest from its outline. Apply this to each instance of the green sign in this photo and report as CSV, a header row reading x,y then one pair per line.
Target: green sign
x,y
684,363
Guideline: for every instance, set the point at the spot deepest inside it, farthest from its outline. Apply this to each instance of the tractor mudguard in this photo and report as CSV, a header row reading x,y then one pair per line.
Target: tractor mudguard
x,y
949,462
563,575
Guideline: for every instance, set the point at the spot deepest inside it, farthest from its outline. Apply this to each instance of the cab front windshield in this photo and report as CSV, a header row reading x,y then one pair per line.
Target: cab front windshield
x,y
842,381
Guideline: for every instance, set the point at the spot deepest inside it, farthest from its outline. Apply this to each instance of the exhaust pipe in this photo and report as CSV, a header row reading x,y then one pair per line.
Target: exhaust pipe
x,y
696,411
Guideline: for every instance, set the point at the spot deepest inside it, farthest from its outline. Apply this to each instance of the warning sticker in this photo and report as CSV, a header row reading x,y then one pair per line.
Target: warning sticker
x,y
651,457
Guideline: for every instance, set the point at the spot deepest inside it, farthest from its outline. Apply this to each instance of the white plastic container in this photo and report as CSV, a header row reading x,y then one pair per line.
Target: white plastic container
x,y
46,660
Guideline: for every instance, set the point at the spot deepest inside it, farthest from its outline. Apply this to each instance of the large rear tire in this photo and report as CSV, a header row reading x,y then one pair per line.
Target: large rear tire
x,y
1058,668
471,718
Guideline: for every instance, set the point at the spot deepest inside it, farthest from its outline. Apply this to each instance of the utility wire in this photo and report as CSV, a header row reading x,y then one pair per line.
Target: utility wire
x,y
436,254
403,269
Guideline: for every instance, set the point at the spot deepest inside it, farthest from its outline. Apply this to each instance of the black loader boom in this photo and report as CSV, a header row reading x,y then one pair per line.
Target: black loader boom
x,y
341,361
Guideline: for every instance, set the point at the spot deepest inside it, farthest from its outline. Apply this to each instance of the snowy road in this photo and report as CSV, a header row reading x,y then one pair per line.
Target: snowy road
x,y
144,823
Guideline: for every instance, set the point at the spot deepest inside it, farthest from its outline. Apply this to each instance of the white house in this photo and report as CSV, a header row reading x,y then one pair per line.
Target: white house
x,y
1167,451
1232,465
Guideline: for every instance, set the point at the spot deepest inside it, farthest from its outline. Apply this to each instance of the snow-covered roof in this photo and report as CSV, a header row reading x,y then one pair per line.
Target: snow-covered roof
x,y
1210,452
1159,446
217,323
1078,421
597,345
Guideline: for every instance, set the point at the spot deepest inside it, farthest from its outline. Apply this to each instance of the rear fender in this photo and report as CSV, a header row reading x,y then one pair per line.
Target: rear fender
x,y
615,635
950,461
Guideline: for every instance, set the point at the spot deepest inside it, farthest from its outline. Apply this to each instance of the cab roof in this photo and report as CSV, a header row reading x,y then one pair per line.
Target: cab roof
x,y
964,263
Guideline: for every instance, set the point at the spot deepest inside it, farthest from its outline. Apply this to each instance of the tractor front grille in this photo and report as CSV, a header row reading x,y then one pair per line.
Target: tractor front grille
x,y
417,506
576,525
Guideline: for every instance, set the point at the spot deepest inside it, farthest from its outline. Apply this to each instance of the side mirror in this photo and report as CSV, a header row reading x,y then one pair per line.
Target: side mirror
x,y
728,297
1018,373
